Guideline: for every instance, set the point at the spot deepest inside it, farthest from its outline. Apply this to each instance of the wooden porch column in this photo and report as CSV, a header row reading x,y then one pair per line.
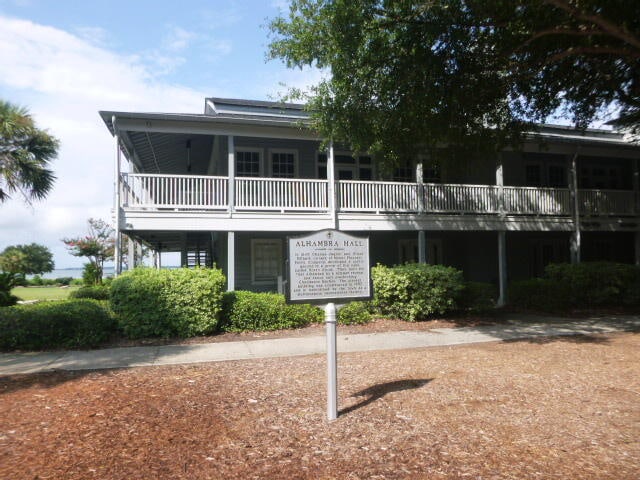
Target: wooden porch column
x,y
331,185
500,185
502,268
139,251
574,242
502,234
420,182
231,172
637,245
231,261
422,247
117,251
131,253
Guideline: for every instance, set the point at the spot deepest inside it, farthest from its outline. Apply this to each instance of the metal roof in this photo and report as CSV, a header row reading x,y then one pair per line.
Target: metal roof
x,y
158,150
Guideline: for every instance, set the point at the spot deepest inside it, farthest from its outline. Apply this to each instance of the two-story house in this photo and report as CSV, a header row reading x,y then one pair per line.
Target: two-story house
x,y
229,185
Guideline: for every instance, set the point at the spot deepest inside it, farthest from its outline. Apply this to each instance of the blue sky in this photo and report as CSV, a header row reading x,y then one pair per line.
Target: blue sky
x,y
67,59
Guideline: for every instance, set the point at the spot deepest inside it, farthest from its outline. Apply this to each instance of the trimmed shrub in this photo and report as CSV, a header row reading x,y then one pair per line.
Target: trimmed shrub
x,y
415,291
597,283
64,280
182,302
478,297
540,294
57,324
248,311
97,292
354,313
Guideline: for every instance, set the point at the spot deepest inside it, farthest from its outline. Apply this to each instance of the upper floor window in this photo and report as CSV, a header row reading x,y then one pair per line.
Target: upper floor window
x,y
283,164
600,177
545,175
347,166
557,176
533,176
404,172
248,163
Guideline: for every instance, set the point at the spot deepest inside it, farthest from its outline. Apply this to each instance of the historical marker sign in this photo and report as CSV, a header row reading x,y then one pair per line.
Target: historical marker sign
x,y
328,266
325,267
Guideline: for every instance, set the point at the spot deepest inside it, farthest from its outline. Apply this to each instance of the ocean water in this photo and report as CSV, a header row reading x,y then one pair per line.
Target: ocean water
x,y
71,272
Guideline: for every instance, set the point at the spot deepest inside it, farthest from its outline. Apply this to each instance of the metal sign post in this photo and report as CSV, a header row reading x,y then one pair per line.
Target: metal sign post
x,y
332,361
326,267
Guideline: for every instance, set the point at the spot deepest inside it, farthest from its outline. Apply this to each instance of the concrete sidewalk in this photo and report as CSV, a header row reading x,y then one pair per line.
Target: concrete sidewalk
x,y
519,327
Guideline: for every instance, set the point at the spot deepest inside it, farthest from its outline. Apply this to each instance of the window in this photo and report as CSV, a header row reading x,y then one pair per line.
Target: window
x,y
431,174
408,251
347,167
266,260
557,176
247,163
283,164
404,173
533,176
600,177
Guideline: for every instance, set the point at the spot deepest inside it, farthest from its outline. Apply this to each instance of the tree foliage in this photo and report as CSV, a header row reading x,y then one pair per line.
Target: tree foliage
x,y
26,259
25,152
408,75
98,246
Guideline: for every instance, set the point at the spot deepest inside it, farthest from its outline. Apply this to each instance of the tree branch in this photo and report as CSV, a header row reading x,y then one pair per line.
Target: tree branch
x,y
574,51
612,29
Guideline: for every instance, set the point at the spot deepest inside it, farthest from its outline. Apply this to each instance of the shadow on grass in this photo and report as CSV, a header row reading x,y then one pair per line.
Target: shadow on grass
x,y
378,391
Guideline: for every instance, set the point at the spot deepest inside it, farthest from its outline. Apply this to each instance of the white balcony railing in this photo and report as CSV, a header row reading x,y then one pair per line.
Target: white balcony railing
x,y
174,191
537,201
377,196
182,192
608,202
280,194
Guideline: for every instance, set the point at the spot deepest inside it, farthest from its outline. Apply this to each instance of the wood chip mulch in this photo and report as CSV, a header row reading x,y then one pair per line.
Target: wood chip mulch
x,y
566,407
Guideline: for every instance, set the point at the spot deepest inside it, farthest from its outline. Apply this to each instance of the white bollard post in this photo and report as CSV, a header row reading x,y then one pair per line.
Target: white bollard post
x,y
332,362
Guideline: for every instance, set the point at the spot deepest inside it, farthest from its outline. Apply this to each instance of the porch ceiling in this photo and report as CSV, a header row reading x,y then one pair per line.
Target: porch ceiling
x,y
167,241
167,152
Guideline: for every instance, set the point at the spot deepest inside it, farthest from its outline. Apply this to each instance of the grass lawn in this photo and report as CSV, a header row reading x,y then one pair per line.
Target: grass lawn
x,y
43,293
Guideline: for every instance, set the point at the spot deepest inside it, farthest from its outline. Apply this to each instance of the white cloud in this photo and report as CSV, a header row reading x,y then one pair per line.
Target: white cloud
x,y
177,39
94,35
64,80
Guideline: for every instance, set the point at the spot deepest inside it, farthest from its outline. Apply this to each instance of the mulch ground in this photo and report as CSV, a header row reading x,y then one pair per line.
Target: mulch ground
x,y
564,407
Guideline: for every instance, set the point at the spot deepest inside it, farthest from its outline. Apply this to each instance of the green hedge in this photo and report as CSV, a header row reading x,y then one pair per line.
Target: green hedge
x,y
588,284
415,291
478,297
354,313
539,294
598,283
247,311
97,292
56,324
182,302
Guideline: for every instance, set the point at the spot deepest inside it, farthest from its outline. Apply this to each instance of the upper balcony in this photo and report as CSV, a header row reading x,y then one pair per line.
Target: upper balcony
x,y
276,199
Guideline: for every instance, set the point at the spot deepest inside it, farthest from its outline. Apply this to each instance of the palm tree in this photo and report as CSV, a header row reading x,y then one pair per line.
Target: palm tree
x,y
25,152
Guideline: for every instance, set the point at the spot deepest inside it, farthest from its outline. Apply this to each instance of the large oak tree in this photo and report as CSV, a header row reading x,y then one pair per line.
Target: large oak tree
x,y
471,74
